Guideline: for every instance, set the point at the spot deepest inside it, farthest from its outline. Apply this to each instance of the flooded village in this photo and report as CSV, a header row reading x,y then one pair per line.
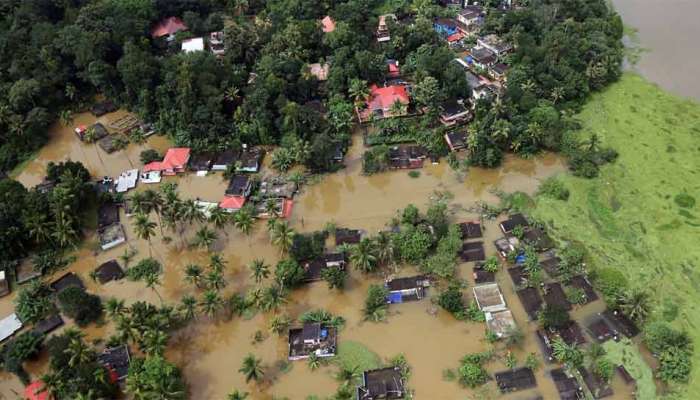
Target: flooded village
x,y
374,249
210,350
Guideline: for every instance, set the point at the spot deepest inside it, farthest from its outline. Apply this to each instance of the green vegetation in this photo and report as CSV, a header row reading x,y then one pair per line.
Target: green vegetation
x,y
375,303
155,377
626,353
18,350
80,305
353,355
636,222
34,302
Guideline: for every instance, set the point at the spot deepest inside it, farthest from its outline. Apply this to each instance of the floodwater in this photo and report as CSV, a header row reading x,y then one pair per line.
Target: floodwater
x,y
210,352
668,30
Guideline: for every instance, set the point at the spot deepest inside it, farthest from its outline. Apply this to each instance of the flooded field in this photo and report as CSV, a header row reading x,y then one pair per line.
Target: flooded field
x,y
210,351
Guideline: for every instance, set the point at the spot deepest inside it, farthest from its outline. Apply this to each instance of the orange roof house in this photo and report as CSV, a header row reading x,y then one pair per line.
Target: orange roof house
x,y
36,391
381,100
168,27
232,203
327,24
175,161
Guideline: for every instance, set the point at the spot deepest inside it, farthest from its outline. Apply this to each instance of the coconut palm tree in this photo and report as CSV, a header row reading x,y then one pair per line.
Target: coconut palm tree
x,y
78,352
635,304
217,263
115,307
145,229
152,281
63,231
66,117
568,354
243,220
215,280
272,298
193,275
259,270
252,368
397,108
191,212
38,227
139,203
154,341
348,375
219,218
358,91
364,255
188,307
154,202
211,303
283,236
386,251
271,208
236,395
204,238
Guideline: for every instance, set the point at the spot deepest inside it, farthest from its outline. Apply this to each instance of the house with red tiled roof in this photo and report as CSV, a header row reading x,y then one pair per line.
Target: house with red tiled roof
x,y
168,27
174,162
393,70
380,102
232,203
327,24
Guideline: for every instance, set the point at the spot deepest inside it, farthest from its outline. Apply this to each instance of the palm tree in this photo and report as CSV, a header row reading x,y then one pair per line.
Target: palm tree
x,y
271,208
635,304
66,117
272,298
348,375
219,218
193,275
259,270
568,354
215,280
145,229
211,303
283,236
127,257
386,251
115,307
191,212
188,307
243,220
155,341
38,227
397,108
359,91
154,202
78,352
236,395
217,263
139,203
204,238
252,368
153,280
363,255
64,233
557,94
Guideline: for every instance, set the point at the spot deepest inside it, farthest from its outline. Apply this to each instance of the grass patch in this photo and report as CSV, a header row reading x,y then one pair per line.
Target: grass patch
x,y
355,355
628,218
626,353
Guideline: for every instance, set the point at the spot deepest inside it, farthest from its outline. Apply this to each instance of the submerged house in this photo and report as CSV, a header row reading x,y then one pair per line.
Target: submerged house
x,y
107,214
531,300
111,236
9,325
472,251
174,162
193,45
482,57
511,223
48,324
314,268
98,131
566,384
489,297
249,160
501,323
384,383
275,187
224,159
406,289
109,271
67,280
116,360
456,140
406,156
201,162
453,112
348,236
216,43
312,338
381,103
470,230
515,379
237,192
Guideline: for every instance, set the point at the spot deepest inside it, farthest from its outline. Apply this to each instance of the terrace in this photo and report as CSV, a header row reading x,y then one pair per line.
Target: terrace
x,y
501,323
489,297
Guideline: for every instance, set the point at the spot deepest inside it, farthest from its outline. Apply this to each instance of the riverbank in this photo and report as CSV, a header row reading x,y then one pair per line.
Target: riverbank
x,y
636,217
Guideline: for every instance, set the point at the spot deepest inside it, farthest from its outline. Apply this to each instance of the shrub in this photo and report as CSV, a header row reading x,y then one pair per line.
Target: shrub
x,y
20,349
414,245
414,174
289,273
307,246
451,299
611,282
144,268
575,295
410,215
83,307
675,365
553,188
471,371
553,317
150,155
684,200
491,264
474,314
375,160
659,337
335,277
34,302
375,303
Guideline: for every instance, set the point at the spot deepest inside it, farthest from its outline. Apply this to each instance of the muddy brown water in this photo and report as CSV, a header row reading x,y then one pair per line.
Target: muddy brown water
x,y
210,351
668,30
